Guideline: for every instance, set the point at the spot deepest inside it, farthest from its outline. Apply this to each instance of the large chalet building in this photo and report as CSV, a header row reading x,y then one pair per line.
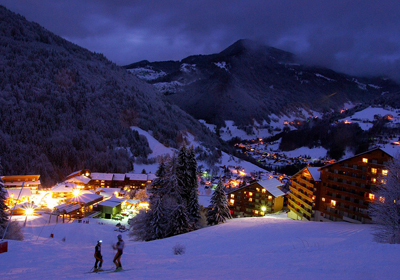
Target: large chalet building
x,y
256,199
344,190
303,194
85,179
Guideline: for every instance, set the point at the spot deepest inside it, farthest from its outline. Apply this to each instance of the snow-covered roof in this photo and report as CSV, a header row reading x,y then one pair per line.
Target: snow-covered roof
x,y
102,176
132,201
78,179
15,192
66,208
86,198
119,177
137,176
110,203
63,187
315,173
271,185
20,183
151,176
108,190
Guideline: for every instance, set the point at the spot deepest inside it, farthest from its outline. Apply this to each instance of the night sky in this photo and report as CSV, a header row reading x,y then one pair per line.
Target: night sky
x,y
359,37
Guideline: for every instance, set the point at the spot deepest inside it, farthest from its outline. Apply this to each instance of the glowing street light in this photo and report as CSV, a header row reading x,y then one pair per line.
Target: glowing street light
x,y
29,211
263,208
76,192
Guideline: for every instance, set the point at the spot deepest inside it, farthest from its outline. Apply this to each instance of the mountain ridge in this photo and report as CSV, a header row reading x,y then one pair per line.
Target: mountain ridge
x,y
249,81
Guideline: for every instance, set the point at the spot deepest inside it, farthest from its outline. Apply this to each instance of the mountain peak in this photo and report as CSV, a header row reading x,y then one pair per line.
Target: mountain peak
x,y
244,46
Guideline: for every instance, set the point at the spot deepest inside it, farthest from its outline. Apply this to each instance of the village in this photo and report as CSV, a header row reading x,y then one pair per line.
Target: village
x,y
337,191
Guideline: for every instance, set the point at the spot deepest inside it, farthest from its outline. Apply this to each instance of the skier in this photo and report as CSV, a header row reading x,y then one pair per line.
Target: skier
x,y
98,256
120,247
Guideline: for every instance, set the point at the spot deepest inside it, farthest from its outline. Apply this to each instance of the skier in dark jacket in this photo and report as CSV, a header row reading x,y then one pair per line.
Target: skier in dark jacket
x,y
98,256
120,247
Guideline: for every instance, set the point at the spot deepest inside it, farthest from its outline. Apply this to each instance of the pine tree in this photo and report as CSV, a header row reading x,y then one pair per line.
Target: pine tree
x,y
182,174
385,210
157,223
193,203
219,210
3,207
179,221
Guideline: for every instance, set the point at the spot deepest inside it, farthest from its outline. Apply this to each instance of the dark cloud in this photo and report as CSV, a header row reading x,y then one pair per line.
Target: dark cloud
x,y
355,36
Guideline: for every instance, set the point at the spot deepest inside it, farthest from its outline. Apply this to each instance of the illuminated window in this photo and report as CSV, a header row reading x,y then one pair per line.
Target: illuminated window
x,y
250,199
232,201
382,199
256,212
371,196
250,193
333,203
323,199
374,170
263,190
365,160
258,189
384,172
373,180
232,195
262,213
270,197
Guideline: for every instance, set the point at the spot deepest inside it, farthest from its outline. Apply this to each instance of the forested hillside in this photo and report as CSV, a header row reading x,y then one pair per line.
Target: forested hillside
x,y
64,108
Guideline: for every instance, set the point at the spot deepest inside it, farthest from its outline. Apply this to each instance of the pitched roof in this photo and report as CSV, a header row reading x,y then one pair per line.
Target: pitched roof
x,y
315,173
119,177
15,192
366,152
79,179
102,176
86,198
136,176
271,185
63,187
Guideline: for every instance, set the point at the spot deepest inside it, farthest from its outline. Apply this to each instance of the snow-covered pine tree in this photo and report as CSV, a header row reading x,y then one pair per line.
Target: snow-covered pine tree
x,y
182,174
193,206
219,210
3,207
158,221
140,227
179,221
385,210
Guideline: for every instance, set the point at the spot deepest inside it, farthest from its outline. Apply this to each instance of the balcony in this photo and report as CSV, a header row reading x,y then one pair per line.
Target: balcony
x,y
298,193
303,188
300,211
305,182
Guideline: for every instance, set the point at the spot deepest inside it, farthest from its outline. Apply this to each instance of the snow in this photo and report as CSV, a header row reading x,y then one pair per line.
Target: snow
x,y
315,153
157,148
272,247
188,68
326,78
221,65
147,74
165,87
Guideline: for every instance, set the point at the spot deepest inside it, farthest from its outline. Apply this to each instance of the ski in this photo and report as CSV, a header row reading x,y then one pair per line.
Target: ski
x,y
99,271
112,271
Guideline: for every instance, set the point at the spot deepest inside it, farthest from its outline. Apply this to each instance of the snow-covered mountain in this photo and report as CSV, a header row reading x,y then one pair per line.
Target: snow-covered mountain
x,y
249,82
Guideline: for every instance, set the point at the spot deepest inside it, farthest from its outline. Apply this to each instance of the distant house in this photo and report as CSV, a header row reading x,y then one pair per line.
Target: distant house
x,y
110,207
12,195
15,181
86,202
256,199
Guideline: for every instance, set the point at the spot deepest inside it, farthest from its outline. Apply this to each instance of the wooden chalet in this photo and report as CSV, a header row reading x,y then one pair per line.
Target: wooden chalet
x,y
256,199
15,181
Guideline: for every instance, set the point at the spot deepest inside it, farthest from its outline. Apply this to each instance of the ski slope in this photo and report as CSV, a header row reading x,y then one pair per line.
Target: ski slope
x,y
271,247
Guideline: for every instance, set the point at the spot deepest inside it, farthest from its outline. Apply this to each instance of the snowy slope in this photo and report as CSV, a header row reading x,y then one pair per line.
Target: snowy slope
x,y
272,247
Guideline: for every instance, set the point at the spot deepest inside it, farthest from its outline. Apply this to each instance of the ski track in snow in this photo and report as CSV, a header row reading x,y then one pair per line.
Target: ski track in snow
x,y
272,247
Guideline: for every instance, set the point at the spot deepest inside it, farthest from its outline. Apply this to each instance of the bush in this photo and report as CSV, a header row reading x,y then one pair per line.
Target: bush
x,y
14,231
179,249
